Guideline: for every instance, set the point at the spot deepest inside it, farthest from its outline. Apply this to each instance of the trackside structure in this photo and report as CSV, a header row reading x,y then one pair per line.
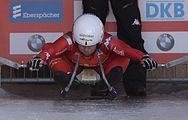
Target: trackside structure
x,y
10,71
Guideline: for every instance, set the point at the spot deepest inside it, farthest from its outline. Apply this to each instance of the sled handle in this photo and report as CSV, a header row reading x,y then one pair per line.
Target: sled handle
x,y
174,62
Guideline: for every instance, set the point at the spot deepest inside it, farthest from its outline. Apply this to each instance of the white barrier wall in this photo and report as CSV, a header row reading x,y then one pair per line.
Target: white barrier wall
x,y
165,27
25,26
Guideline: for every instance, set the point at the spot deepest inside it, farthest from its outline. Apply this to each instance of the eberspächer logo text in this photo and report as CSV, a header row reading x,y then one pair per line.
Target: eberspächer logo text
x,y
36,11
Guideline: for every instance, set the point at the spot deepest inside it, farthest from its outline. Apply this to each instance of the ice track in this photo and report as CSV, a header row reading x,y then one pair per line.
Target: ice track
x,y
42,102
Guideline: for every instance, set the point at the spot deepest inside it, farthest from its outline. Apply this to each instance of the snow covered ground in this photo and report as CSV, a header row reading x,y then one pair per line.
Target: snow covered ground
x,y
42,102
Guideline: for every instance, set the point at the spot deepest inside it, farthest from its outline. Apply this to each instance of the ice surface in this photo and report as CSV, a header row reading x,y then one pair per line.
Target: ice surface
x,y
42,102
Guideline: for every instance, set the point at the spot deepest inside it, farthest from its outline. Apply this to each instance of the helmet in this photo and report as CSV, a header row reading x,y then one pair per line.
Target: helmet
x,y
88,30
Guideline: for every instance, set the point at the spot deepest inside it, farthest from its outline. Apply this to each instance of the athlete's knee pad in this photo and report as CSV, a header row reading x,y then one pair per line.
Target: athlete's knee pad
x,y
61,78
113,77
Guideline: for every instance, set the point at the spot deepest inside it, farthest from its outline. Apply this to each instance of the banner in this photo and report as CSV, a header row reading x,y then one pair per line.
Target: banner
x,y
25,26
164,10
165,28
26,23
30,43
31,11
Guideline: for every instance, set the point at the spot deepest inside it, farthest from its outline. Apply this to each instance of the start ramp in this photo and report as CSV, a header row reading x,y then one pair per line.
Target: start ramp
x,y
10,71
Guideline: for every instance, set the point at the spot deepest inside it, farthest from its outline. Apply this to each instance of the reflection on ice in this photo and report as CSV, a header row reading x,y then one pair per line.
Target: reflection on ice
x,y
41,102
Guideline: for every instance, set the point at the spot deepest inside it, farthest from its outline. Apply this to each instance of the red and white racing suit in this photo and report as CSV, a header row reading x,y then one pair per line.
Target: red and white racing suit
x,y
62,54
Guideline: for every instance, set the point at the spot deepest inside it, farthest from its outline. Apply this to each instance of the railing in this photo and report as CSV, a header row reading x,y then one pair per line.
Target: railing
x,y
176,74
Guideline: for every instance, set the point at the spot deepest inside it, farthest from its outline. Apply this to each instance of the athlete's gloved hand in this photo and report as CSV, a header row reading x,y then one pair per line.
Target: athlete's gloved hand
x,y
35,63
148,62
